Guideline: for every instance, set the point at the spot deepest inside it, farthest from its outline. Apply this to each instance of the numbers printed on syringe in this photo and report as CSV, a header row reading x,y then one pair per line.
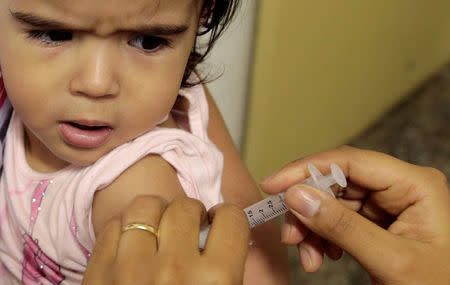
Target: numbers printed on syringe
x,y
274,205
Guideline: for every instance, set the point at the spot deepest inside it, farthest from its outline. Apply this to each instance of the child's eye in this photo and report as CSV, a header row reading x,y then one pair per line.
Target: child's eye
x,y
148,43
52,36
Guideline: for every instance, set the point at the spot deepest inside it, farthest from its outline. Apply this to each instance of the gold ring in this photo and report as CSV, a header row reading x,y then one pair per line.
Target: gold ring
x,y
144,227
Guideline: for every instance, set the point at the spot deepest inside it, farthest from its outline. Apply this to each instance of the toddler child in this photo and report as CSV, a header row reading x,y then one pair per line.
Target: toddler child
x,y
89,89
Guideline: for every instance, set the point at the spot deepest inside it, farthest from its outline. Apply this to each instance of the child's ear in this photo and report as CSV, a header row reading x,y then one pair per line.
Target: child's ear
x,y
203,18
202,21
206,12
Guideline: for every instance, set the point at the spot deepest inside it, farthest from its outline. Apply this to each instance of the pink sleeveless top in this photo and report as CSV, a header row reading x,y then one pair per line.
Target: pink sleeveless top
x,y
46,232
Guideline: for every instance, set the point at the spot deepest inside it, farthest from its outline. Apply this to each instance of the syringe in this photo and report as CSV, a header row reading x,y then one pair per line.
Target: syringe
x,y
275,205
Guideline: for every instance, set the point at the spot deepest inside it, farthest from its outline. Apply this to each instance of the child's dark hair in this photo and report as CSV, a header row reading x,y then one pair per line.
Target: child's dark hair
x,y
216,15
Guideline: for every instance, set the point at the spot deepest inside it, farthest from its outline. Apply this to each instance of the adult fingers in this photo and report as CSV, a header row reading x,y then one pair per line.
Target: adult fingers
x,y
140,244
180,226
363,167
376,213
367,169
353,192
311,252
103,255
334,222
293,231
229,236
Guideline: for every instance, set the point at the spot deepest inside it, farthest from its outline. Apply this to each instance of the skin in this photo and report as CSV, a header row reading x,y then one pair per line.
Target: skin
x,y
267,261
394,217
158,258
100,71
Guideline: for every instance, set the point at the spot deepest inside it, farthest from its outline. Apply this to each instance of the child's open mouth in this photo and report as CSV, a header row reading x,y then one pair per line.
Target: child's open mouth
x,y
85,134
84,127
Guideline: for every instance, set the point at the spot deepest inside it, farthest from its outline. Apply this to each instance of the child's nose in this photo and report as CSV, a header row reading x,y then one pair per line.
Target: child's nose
x,y
96,73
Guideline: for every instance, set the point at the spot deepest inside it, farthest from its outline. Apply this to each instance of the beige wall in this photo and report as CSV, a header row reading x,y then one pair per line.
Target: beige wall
x,y
324,70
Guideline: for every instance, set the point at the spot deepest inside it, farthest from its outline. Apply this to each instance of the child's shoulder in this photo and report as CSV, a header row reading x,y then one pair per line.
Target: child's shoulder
x,y
148,174
151,175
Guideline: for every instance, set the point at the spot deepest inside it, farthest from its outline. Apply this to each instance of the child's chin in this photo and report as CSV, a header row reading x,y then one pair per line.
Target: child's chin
x,y
85,158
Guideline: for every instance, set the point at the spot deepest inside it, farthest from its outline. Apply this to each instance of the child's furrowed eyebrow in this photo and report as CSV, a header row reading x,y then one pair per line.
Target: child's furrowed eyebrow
x,y
158,29
36,21
43,23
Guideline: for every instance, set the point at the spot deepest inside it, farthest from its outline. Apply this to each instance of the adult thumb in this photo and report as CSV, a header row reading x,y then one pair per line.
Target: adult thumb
x,y
368,243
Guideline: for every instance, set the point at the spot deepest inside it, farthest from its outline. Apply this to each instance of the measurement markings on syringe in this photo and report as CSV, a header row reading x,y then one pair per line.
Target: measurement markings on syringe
x,y
274,205
265,210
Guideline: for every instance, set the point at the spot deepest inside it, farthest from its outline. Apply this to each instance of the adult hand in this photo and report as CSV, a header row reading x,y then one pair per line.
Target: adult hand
x,y
394,217
138,257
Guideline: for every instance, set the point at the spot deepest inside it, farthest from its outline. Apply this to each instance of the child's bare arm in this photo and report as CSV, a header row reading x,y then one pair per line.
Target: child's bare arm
x,y
175,259
267,259
151,175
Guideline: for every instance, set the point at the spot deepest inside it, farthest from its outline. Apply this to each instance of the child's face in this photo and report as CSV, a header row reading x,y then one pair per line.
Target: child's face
x,y
113,67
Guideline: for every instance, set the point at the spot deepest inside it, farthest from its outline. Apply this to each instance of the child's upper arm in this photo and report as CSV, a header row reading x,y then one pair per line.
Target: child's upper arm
x,y
151,175
267,259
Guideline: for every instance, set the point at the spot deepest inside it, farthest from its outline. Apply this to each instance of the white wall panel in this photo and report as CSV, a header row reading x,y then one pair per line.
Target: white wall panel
x,y
231,57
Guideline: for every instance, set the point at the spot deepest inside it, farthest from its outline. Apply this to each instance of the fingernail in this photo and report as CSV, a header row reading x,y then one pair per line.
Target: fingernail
x,y
302,202
305,258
